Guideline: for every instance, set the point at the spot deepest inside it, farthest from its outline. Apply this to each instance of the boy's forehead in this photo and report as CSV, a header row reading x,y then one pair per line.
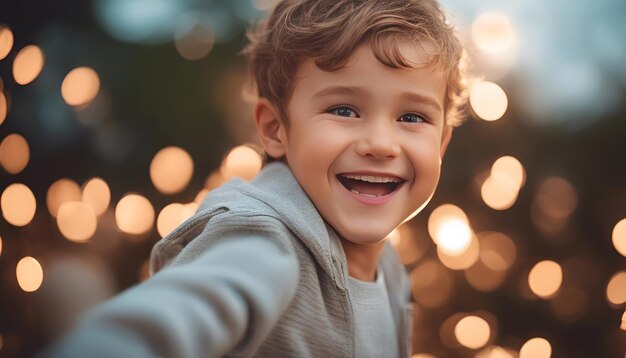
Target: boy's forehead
x,y
359,70
415,53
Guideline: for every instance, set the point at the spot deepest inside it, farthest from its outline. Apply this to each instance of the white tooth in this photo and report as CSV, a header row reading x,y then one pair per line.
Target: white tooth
x,y
370,195
373,179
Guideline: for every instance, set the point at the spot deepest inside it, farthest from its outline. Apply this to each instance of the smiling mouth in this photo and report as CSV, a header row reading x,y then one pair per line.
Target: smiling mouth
x,y
368,185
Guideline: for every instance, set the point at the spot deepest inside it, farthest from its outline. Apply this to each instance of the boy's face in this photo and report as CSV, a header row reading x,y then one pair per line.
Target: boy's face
x,y
365,141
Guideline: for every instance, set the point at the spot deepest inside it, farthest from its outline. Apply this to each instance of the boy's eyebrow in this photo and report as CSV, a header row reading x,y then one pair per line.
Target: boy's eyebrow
x,y
357,91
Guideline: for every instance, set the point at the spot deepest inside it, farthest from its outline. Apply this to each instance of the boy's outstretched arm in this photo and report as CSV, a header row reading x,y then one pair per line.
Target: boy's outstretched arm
x,y
235,291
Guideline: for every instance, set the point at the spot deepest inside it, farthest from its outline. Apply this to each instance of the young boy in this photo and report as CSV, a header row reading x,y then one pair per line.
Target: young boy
x,y
356,100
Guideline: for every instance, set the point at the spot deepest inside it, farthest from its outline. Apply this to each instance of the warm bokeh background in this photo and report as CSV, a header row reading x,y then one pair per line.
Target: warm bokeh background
x,y
117,116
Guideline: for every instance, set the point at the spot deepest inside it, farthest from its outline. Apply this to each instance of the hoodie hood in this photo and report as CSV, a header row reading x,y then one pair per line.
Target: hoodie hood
x,y
274,192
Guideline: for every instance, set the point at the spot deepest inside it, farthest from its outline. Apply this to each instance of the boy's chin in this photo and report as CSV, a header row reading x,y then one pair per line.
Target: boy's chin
x,y
365,237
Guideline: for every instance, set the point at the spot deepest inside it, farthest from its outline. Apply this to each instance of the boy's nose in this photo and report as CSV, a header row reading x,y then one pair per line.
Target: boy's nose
x,y
378,141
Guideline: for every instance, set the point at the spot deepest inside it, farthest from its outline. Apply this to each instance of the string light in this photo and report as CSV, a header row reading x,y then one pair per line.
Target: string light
x,y
6,41
488,100
619,237
14,153
28,64
511,167
4,108
493,32
472,332
616,289
242,162
460,260
18,204
77,221
545,278
536,348
97,195
171,216
80,86
61,191
171,170
134,214
29,274
499,191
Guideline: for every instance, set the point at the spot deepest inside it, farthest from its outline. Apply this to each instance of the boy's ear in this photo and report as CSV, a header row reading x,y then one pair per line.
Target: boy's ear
x,y
270,128
445,139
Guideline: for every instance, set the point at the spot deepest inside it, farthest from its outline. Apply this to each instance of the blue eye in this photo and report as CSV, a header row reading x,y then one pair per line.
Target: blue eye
x,y
412,118
343,112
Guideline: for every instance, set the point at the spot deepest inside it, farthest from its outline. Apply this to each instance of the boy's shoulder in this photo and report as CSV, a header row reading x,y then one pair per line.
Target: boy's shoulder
x,y
273,205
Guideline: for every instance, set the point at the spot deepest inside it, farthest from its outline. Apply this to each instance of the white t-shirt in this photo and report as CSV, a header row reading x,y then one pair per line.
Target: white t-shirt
x,y
375,331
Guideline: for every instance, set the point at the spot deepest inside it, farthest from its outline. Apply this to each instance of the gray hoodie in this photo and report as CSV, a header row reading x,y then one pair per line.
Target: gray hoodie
x,y
255,272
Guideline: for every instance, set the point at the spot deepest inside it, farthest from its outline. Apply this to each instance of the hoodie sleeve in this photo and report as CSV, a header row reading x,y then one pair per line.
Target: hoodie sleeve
x,y
204,308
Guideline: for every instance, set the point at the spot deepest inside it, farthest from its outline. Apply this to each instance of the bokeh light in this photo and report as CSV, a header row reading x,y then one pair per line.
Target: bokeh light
x,y
511,167
173,215
431,284
536,348
616,288
14,153
499,191
441,213
195,43
570,304
18,204
214,180
472,332
453,236
171,170
623,325
493,32
96,193
409,247
497,251
242,162
4,106
460,260
80,86
29,274
6,42
496,352
61,191
77,221
449,228
556,198
488,100
619,237
28,64
483,278
144,271
0,246
545,278
555,201
446,330
201,195
134,214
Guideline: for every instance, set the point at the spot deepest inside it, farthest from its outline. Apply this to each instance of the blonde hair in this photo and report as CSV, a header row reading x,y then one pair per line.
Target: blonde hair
x,y
329,31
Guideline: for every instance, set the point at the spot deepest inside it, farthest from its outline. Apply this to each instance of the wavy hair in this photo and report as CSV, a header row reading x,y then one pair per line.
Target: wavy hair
x,y
329,31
